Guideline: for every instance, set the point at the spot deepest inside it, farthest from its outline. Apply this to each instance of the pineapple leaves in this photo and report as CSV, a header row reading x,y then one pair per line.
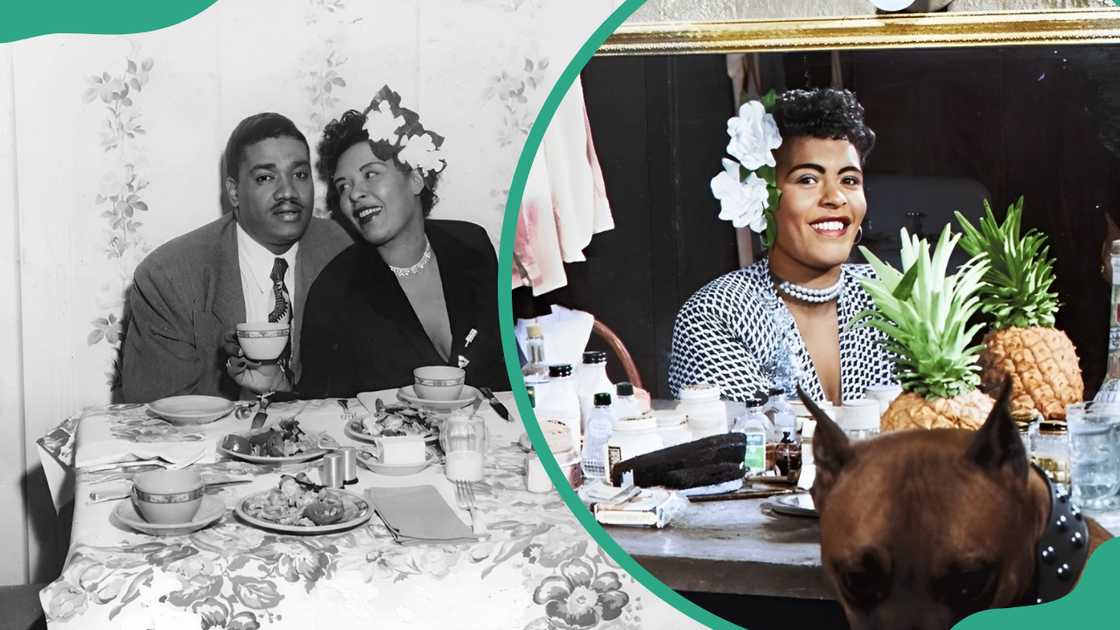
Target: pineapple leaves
x,y
924,314
1016,289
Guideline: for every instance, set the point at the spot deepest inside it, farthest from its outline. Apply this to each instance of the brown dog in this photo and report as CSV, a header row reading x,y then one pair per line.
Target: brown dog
x,y
920,529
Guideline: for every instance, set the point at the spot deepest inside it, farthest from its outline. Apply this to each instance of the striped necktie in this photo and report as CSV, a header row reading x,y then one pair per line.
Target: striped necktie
x,y
280,292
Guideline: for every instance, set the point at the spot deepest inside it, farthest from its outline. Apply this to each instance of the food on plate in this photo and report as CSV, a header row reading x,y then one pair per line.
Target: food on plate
x,y
284,440
394,419
296,501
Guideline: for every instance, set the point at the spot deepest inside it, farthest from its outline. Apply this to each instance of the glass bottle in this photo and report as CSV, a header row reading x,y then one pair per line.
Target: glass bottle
x,y
1110,388
753,424
534,348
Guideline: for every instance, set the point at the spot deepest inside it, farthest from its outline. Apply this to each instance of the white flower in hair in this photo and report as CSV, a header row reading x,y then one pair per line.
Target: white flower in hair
x,y
381,124
754,136
420,152
743,203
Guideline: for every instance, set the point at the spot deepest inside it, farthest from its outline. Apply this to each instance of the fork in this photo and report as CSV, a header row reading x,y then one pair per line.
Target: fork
x,y
464,495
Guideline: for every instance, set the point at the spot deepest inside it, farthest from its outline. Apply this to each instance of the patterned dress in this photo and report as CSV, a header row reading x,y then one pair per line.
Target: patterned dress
x,y
736,333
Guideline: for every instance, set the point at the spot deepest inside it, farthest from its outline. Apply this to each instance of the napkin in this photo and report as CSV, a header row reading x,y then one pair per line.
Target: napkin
x,y
108,439
418,515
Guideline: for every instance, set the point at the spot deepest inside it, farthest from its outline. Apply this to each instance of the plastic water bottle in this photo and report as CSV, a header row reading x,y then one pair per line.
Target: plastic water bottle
x,y
600,424
625,405
753,424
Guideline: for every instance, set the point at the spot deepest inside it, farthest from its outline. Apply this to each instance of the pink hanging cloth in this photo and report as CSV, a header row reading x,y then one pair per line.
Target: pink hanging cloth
x,y
565,201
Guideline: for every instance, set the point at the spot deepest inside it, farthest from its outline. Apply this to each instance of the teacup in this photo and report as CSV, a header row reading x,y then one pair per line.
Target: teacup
x,y
262,341
167,496
439,382
400,450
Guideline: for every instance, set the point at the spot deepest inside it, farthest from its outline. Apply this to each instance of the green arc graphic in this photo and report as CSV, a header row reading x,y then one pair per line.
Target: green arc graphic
x,y
31,19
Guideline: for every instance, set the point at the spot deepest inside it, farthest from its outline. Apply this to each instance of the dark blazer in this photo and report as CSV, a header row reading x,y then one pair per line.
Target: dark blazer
x,y
187,294
360,332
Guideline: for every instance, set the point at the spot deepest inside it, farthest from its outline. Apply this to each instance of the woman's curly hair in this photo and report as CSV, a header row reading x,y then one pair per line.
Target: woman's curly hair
x,y
347,130
824,113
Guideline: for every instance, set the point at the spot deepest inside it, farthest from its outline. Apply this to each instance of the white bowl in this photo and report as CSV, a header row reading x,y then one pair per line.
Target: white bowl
x,y
262,341
439,382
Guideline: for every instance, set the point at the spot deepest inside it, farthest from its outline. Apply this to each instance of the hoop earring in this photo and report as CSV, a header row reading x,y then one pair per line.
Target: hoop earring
x,y
859,236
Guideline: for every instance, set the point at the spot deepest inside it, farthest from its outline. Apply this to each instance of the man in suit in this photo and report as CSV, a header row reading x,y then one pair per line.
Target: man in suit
x,y
253,264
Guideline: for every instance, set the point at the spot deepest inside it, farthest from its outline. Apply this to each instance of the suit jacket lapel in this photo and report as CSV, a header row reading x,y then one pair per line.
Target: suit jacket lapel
x,y
456,276
229,300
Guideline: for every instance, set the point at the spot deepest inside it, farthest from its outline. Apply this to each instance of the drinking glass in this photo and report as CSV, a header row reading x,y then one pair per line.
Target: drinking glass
x,y
1094,439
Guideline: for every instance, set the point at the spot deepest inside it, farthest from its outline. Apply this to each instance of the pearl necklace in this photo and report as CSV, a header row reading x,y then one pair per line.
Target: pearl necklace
x,y
806,294
404,272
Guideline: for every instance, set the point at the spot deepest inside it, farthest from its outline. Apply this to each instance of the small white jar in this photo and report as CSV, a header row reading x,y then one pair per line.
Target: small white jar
x,y
672,424
882,394
633,437
707,414
860,418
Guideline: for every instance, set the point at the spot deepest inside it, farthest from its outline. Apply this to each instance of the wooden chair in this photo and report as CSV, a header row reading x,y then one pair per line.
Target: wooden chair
x,y
615,344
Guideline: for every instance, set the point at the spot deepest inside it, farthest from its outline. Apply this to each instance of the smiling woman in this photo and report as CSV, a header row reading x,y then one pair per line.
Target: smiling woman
x,y
782,321
413,291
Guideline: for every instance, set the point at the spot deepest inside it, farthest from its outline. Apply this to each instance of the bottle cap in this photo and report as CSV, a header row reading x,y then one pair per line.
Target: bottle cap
x,y
594,356
533,331
776,391
560,370
624,388
699,391
754,402
602,399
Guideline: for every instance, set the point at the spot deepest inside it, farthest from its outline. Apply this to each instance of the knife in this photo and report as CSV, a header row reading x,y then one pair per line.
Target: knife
x,y
497,406
116,495
262,411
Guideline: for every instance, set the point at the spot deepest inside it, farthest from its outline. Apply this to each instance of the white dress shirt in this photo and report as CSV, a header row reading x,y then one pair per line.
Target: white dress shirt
x,y
256,265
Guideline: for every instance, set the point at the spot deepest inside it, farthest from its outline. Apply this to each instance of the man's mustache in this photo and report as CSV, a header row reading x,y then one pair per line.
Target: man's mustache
x,y
288,202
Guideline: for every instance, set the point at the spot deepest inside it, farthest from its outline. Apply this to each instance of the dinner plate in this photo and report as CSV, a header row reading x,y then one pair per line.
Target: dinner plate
x,y
794,505
356,510
305,456
354,430
466,397
191,409
366,459
211,510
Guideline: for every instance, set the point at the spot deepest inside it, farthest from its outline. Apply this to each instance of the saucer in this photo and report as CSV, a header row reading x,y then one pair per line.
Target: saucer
x,y
394,470
794,505
212,509
466,397
191,410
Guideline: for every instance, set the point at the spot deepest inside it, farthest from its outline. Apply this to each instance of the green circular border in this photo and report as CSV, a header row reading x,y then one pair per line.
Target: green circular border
x,y
509,342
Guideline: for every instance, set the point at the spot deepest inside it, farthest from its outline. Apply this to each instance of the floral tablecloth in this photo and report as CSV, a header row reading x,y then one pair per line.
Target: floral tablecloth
x,y
538,569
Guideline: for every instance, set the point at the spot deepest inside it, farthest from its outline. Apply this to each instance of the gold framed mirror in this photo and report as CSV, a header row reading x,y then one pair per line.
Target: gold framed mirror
x,y
894,30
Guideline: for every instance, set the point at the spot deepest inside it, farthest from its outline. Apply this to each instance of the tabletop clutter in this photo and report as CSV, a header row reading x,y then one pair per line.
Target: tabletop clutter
x,y
435,420
639,462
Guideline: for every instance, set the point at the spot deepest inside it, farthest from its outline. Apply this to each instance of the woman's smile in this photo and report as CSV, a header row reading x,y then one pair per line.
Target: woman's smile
x,y
831,227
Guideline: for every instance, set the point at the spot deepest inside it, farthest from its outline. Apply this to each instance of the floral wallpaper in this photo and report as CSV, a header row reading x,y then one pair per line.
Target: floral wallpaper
x,y
120,197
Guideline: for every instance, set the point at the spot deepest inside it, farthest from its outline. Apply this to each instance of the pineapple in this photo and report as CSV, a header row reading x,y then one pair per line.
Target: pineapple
x,y
924,314
1023,343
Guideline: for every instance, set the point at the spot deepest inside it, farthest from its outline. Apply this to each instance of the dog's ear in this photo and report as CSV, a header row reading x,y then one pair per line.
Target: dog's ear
x,y
831,450
997,444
